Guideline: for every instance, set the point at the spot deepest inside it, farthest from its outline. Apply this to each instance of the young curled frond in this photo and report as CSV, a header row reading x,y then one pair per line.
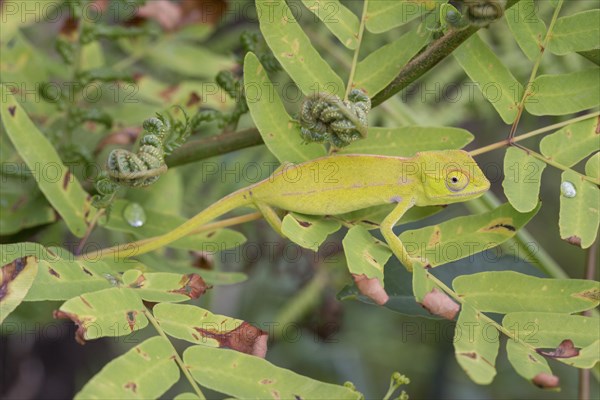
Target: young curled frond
x,y
162,135
327,118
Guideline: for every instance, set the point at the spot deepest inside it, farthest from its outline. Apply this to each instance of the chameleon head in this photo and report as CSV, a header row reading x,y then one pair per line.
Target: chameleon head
x,y
450,176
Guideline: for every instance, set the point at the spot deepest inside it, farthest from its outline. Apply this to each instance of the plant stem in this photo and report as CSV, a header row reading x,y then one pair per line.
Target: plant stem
x,y
201,149
536,65
178,359
428,58
590,274
361,30
504,143
90,227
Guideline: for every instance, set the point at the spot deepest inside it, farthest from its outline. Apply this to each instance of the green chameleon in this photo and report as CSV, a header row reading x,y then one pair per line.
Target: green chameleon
x,y
339,184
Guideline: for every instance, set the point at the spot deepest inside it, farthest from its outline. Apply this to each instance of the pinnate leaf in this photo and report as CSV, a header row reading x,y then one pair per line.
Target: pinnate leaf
x,y
565,93
522,179
476,345
146,371
509,291
463,236
579,215
243,376
294,51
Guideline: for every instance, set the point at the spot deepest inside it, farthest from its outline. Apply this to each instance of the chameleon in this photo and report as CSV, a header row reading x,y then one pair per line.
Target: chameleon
x,y
337,184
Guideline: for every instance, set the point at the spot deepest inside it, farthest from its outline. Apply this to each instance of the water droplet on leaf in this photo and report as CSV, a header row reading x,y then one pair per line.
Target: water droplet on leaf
x,y
568,189
134,214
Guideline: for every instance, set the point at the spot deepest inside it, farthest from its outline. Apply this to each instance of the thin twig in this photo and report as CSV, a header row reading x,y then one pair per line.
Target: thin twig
x,y
527,92
178,359
361,30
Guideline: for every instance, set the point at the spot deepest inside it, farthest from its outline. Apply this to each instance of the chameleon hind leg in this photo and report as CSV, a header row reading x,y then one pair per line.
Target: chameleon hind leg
x,y
390,237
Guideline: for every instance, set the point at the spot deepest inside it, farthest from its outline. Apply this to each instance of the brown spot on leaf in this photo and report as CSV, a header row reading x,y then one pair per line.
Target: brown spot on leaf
x,y
546,381
12,110
53,272
499,226
598,126
86,271
193,99
470,355
371,287
66,180
138,283
591,294
84,301
296,397
276,395
266,381
131,318
192,285
10,271
246,338
439,303
565,349
210,234
81,329
131,386
574,240
305,224
532,358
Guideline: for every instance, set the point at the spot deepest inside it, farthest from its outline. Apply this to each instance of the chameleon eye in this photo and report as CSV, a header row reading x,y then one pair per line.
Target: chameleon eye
x,y
456,180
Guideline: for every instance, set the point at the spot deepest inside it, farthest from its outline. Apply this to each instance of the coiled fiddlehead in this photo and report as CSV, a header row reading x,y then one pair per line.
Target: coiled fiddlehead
x,y
162,135
325,117
144,167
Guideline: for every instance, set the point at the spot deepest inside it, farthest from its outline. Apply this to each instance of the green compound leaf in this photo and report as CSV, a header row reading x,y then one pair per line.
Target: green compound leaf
x,y
476,345
528,29
494,79
406,141
200,326
342,22
565,93
244,376
158,223
280,134
522,179
16,279
293,50
578,32
383,15
365,255
548,330
378,69
526,362
146,371
59,276
54,179
572,143
509,291
308,231
163,286
579,215
463,236
592,166
110,312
